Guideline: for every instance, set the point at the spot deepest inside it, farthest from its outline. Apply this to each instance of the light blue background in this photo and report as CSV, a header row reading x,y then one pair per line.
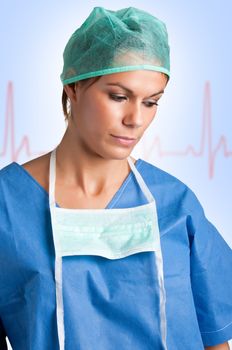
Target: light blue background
x,y
33,35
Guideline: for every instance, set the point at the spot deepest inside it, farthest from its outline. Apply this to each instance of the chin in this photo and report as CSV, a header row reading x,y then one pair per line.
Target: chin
x,y
119,154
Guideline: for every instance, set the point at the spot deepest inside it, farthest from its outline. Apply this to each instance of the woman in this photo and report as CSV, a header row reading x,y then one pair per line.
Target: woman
x,y
99,250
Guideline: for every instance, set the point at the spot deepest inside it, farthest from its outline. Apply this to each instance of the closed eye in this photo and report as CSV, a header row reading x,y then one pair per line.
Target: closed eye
x,y
117,97
151,104
122,98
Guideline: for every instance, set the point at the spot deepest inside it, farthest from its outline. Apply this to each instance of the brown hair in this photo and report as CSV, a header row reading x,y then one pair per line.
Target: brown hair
x,y
65,100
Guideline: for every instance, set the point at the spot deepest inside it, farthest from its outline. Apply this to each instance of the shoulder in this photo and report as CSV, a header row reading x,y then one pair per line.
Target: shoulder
x,y
169,191
37,163
155,175
38,168
8,173
33,166
17,181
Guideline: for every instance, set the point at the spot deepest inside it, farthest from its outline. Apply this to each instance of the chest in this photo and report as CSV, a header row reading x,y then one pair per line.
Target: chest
x,y
73,198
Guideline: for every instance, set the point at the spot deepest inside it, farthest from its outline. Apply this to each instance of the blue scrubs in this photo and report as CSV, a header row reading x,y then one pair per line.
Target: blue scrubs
x,y
99,303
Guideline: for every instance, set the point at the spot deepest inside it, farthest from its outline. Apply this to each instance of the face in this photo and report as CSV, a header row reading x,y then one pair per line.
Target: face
x,y
110,116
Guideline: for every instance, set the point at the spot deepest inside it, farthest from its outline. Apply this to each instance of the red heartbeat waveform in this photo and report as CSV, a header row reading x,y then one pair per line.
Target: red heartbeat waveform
x,y
206,143
205,147
9,131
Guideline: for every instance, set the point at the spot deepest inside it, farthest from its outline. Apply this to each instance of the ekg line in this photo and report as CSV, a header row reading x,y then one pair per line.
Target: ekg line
x,y
9,132
206,146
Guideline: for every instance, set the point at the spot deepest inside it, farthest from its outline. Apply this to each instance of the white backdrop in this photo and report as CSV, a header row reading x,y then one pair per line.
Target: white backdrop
x,y
192,135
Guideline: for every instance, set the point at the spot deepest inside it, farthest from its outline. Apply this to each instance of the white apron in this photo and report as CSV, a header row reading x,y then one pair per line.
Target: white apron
x,y
109,233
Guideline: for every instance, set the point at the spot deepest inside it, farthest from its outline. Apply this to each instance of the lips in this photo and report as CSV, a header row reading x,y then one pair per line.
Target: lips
x,y
125,138
124,141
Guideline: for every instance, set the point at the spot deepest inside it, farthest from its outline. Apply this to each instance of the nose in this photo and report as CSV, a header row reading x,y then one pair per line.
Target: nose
x,y
133,115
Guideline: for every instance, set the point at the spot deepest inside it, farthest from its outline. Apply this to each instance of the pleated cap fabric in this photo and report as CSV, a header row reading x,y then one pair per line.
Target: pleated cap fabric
x,y
116,41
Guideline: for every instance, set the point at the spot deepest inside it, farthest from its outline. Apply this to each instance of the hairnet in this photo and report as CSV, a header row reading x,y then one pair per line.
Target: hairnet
x,y
116,41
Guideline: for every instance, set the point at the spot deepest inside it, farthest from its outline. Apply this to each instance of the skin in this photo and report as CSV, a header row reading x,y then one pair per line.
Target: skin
x,y
91,158
91,165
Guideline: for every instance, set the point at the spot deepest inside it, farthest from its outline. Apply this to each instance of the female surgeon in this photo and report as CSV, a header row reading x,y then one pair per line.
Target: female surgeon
x,y
99,250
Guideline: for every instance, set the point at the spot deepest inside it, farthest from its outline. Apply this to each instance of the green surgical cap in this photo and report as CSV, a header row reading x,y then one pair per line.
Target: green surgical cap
x,y
116,41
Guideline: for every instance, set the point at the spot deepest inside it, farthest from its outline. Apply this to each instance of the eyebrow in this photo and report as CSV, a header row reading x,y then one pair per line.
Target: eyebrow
x,y
130,91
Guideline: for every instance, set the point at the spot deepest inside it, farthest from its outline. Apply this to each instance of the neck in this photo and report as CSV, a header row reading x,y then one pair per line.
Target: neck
x,y
90,173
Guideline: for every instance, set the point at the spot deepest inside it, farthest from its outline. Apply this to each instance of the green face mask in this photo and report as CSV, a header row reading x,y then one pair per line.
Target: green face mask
x,y
116,41
109,233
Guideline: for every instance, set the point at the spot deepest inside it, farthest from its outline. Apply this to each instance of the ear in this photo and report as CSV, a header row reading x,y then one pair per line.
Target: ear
x,y
70,90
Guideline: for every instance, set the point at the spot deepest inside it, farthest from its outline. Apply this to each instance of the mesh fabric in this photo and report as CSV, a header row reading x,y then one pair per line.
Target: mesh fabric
x,y
116,41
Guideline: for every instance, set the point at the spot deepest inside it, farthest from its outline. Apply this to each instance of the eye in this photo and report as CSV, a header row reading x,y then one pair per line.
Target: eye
x,y
117,97
120,98
151,103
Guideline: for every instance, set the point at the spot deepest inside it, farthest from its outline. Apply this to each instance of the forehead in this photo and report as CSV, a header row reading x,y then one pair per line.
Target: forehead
x,y
144,80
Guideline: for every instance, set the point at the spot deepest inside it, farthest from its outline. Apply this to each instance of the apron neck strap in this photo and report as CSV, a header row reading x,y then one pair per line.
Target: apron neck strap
x,y
141,182
52,178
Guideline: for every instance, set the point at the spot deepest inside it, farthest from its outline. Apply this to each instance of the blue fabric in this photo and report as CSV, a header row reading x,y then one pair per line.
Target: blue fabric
x,y
107,303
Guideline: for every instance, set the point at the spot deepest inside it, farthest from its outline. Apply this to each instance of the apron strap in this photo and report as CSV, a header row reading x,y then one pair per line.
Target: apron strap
x,y
52,178
59,302
141,182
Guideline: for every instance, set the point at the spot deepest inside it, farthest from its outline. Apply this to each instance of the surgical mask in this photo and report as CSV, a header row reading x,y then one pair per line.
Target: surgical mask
x,y
109,233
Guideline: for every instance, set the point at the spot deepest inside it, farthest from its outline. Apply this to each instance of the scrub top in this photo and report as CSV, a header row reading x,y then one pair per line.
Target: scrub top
x,y
197,273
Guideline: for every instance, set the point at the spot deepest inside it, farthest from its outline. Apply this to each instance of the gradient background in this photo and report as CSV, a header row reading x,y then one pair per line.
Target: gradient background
x,y
191,137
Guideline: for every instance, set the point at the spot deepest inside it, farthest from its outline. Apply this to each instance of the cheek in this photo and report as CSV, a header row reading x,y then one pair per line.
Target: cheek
x,y
93,117
102,114
149,117
88,114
